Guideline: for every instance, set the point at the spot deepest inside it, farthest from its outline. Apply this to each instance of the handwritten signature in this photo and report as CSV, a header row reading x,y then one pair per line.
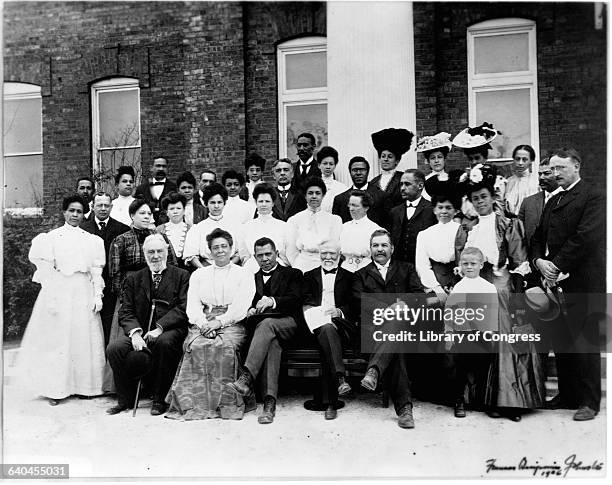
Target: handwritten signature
x,y
571,463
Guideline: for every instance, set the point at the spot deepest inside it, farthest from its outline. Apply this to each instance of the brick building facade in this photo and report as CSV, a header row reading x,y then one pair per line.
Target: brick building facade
x,y
208,80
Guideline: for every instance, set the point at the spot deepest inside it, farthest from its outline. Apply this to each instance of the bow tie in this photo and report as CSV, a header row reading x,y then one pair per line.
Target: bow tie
x,y
330,271
270,273
413,205
157,183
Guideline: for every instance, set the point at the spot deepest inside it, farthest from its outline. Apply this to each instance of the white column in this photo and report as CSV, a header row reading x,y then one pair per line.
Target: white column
x,y
370,77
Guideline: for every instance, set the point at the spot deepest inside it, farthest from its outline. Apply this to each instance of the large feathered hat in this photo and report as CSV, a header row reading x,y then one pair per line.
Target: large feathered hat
x,y
434,142
476,137
396,140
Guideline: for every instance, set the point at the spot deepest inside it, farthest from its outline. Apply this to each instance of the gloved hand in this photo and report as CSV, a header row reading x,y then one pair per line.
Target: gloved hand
x,y
97,306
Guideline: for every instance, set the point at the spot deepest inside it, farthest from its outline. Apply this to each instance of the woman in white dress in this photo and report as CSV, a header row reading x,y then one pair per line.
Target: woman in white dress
x,y
196,251
355,234
124,182
62,352
264,225
521,184
176,228
309,228
327,158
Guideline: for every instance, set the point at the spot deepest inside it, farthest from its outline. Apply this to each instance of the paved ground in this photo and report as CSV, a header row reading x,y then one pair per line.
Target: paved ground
x,y
364,441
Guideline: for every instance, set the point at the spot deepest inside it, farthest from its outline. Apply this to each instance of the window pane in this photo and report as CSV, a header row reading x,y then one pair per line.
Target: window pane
x,y
119,118
311,118
23,181
510,113
307,70
111,160
22,125
501,53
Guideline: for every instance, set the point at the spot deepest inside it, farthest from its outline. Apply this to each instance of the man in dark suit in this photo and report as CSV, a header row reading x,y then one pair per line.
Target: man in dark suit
x,y
532,207
328,290
359,169
152,344
411,217
289,197
108,229
276,310
85,188
155,189
570,242
306,165
386,277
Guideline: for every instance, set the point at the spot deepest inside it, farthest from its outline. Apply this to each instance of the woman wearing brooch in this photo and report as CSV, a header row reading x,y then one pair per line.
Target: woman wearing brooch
x,y
391,144
516,382
521,184
176,228
218,298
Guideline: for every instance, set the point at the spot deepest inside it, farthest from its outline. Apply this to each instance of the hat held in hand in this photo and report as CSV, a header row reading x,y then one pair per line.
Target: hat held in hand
x,y
545,304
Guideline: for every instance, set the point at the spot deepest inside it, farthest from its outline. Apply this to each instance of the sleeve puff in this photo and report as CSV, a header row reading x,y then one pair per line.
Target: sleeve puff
x,y
41,254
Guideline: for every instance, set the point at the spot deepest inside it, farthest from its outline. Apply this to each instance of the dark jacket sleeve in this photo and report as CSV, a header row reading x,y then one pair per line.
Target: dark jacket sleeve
x,y
177,315
310,298
128,317
292,298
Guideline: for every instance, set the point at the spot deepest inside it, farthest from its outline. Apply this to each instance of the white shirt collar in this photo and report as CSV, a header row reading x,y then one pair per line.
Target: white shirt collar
x,y
307,162
380,266
98,221
365,187
414,203
284,188
571,186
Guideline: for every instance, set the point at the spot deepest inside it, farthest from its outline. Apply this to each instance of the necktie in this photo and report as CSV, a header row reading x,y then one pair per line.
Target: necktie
x,y
102,226
157,277
560,197
305,168
330,271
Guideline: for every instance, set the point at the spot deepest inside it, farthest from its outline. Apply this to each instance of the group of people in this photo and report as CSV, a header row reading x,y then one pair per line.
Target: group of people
x,y
191,291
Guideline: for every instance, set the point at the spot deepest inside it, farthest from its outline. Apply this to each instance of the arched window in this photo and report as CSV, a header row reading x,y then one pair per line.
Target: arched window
x,y
502,82
115,105
23,153
302,92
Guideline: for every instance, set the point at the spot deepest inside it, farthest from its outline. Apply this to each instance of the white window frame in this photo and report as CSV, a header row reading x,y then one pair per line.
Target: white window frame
x,y
507,80
296,97
105,86
14,91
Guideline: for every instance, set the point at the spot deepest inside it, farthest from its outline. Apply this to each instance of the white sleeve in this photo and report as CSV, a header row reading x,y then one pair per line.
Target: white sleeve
x,y
244,284
195,312
192,243
423,264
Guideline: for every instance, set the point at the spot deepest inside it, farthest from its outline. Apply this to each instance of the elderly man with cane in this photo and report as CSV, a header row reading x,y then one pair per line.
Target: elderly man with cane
x,y
153,317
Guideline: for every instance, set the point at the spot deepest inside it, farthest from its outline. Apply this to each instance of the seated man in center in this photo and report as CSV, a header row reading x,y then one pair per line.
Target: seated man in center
x,y
329,315
276,310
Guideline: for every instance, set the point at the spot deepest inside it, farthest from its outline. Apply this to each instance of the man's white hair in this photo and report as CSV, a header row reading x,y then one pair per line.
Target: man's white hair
x,y
152,238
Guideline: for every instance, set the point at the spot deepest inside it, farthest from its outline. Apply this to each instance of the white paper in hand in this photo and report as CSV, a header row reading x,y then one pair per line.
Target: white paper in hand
x,y
315,317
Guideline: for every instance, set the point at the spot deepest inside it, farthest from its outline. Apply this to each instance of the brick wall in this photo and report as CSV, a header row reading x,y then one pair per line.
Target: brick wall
x,y
571,73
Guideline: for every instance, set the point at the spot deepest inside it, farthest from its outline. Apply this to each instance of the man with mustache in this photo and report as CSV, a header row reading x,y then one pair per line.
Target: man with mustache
x,y
155,189
306,166
387,277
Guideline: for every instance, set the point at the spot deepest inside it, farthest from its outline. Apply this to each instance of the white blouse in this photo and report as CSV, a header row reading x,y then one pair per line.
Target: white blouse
x,y
437,243
305,232
484,237
120,211
262,226
237,210
196,244
211,286
517,189
177,234
385,178
355,243
333,188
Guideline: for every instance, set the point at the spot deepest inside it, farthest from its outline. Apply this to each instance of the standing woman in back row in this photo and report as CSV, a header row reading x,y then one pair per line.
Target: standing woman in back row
x,y
522,183
62,352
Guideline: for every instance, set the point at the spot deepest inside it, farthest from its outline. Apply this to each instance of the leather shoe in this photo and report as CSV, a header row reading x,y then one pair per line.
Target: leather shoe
x,y
313,405
585,413
370,380
158,408
242,385
558,403
460,409
343,387
405,419
117,409
269,411
53,402
330,412
493,413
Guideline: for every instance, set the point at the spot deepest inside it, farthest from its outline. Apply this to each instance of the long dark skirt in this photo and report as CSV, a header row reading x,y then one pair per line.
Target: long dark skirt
x,y
199,389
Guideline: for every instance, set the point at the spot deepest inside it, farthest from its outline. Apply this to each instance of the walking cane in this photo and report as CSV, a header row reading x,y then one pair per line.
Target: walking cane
x,y
154,302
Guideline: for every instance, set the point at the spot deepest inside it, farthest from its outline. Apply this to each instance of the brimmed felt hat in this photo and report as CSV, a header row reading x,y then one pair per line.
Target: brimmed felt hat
x,y
476,137
433,142
396,140
138,363
544,303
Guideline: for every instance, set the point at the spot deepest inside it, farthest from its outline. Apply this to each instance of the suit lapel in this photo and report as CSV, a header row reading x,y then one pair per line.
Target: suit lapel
x,y
391,273
146,284
566,198
259,283
289,202
417,210
319,282
373,270
164,286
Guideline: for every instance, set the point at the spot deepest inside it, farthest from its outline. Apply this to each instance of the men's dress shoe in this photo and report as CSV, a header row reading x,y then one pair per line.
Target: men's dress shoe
x,y
117,409
269,410
514,417
249,403
53,402
158,408
558,403
370,380
405,419
343,387
585,413
313,405
330,412
242,385
460,409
